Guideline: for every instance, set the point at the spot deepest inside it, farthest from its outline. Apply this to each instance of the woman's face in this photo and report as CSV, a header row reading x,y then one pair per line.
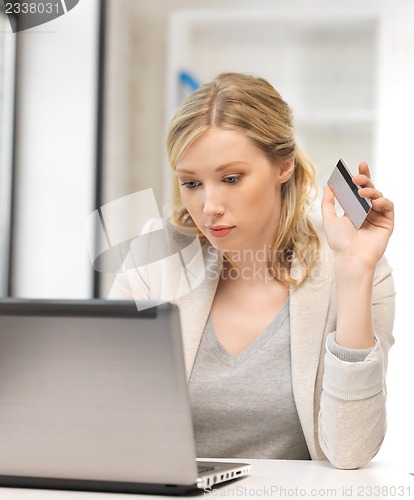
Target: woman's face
x,y
231,190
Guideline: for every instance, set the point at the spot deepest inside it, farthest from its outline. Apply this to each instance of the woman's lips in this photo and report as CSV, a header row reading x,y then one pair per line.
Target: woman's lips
x,y
220,231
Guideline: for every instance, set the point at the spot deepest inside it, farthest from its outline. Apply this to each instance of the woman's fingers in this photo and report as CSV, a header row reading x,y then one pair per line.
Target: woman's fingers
x,y
382,204
379,202
363,179
370,192
364,169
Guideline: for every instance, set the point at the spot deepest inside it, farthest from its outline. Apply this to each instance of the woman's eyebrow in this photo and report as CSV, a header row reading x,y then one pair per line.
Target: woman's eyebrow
x,y
218,169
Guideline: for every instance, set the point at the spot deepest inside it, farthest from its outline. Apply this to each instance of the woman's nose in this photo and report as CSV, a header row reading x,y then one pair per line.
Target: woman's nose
x,y
213,203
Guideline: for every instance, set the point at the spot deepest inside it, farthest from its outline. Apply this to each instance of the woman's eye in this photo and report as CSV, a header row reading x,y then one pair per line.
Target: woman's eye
x,y
190,184
232,179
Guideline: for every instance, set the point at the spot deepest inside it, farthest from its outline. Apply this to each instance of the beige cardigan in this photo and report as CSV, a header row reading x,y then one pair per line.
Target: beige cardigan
x,y
341,405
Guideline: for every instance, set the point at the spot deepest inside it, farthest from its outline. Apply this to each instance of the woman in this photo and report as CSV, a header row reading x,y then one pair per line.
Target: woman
x,y
286,338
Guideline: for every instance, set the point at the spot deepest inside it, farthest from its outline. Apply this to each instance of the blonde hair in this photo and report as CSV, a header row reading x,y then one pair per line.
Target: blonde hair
x,y
252,106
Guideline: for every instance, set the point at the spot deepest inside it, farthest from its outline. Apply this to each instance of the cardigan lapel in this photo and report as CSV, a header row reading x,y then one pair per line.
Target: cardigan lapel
x,y
195,306
309,305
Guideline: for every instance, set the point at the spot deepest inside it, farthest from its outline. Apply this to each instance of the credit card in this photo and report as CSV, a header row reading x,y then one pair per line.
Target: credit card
x,y
346,192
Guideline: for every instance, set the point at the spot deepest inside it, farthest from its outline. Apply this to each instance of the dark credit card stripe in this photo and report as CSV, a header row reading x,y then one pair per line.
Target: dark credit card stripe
x,y
354,187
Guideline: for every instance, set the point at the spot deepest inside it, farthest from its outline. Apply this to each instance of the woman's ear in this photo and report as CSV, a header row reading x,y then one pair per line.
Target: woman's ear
x,y
286,170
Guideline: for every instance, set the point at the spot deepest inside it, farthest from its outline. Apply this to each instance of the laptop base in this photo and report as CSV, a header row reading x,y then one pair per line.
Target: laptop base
x,y
47,483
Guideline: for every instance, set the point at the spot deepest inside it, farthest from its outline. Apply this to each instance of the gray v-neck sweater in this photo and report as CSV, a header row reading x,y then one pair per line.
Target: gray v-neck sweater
x,y
243,406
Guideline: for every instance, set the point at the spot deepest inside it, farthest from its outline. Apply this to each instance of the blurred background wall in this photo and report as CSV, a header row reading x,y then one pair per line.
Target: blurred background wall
x,y
86,100
49,153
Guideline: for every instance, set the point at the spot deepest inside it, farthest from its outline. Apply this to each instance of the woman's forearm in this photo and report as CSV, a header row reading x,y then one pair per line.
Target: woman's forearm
x,y
354,285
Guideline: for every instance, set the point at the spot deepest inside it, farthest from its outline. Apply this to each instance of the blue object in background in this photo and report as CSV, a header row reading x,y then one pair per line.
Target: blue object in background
x,y
188,81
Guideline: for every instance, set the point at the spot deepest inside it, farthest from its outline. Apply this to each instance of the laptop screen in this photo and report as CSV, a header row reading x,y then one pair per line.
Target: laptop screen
x,y
94,390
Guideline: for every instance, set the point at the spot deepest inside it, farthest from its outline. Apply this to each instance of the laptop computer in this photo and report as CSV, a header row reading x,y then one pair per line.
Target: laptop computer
x,y
93,396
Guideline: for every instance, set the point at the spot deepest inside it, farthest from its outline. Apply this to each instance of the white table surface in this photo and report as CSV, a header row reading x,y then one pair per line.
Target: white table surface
x,y
273,479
